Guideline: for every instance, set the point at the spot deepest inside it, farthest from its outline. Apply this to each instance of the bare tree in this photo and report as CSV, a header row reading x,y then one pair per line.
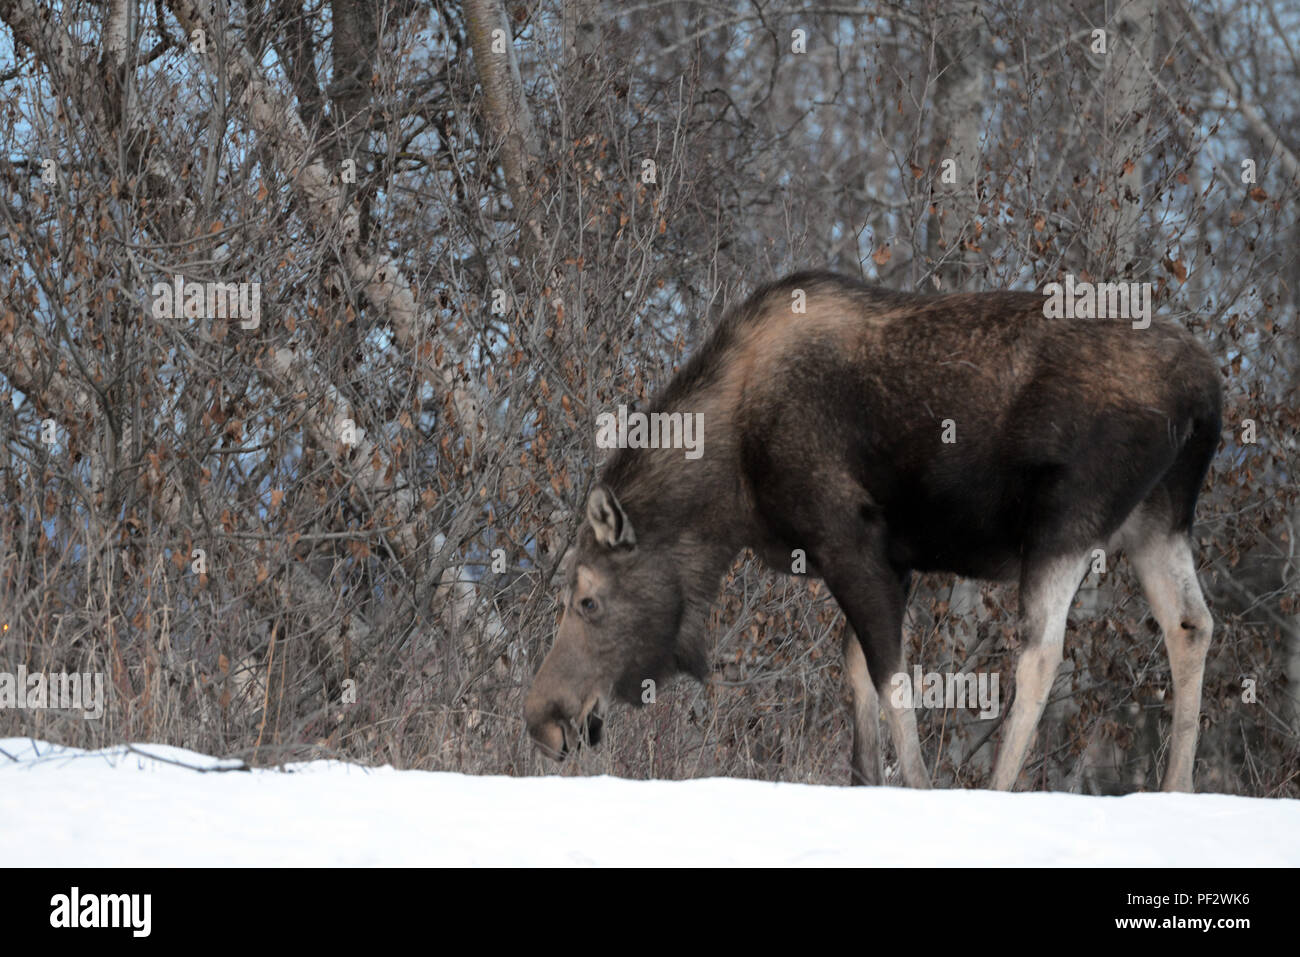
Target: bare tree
x,y
332,525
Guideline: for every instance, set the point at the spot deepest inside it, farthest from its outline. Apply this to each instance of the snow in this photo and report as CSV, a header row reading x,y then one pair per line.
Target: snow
x,y
147,805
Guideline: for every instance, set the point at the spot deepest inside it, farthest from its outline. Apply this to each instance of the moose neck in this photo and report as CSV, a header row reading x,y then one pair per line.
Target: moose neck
x,y
697,504
680,479
688,500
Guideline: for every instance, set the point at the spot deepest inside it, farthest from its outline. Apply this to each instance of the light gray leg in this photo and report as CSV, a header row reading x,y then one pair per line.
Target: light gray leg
x,y
1046,589
866,725
902,728
1167,572
866,767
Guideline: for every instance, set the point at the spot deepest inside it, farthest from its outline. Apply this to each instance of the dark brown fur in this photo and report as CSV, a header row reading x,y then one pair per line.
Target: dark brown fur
x,y
823,433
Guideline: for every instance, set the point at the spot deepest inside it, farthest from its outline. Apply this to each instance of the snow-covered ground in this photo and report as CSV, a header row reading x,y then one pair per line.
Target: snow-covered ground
x,y
117,807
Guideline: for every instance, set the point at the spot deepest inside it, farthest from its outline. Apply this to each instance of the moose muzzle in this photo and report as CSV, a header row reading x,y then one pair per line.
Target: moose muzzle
x,y
558,723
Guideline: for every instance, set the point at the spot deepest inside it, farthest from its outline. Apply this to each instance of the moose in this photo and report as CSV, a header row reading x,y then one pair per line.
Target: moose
x,y
882,433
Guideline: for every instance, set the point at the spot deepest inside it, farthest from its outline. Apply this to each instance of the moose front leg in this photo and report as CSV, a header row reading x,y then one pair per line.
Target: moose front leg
x,y
873,654
865,767
846,538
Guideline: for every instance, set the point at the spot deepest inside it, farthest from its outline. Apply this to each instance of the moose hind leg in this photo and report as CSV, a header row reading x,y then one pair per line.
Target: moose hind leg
x,y
1046,589
1165,568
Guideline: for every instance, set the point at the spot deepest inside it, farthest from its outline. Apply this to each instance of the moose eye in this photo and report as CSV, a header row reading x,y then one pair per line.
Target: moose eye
x,y
588,605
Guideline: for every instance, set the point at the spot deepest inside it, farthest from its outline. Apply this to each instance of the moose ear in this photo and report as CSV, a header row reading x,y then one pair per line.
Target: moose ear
x,y
608,520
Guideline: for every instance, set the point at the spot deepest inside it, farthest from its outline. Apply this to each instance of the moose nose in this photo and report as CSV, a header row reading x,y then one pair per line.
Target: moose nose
x,y
549,738
546,726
